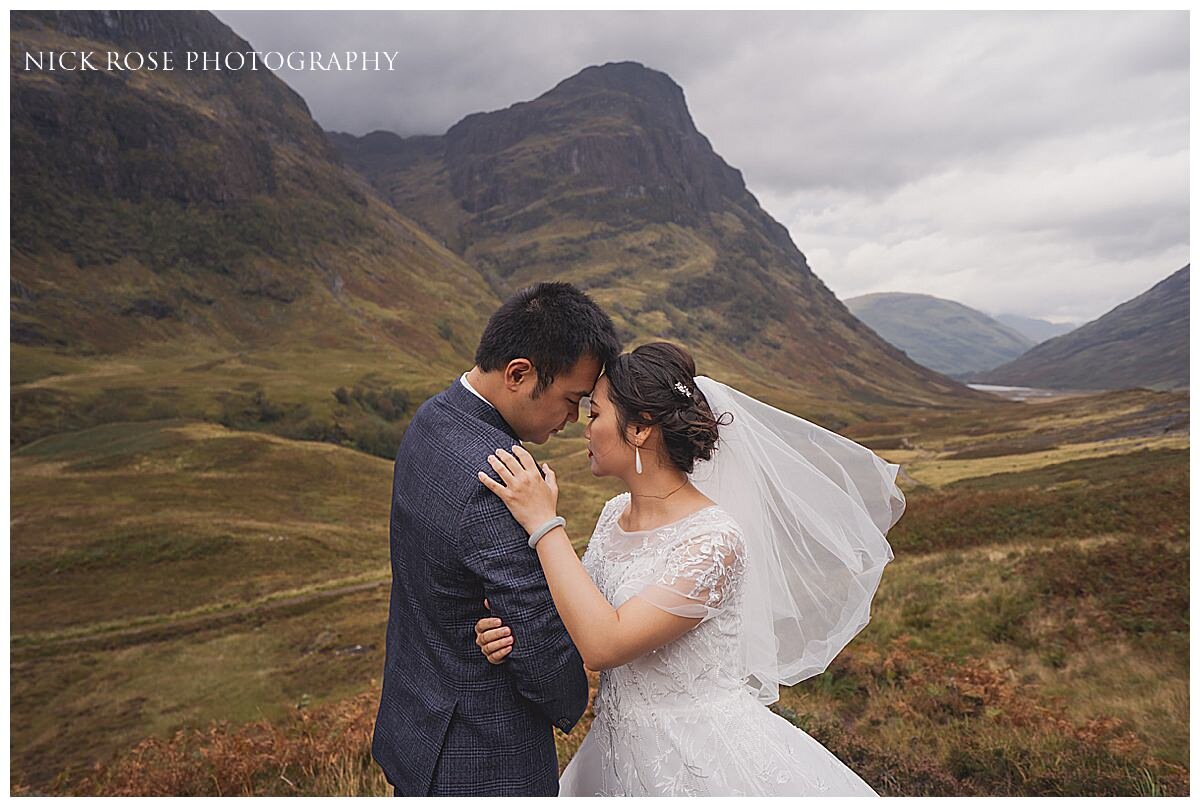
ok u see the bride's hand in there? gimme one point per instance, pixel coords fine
(531, 499)
(493, 638)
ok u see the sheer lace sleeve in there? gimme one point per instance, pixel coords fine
(699, 575)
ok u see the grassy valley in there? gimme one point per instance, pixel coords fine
(1031, 637)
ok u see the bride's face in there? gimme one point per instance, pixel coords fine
(608, 454)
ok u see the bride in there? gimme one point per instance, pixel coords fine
(744, 556)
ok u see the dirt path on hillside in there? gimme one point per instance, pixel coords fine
(40, 645)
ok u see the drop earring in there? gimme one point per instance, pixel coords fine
(637, 460)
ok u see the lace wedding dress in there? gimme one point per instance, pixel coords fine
(681, 720)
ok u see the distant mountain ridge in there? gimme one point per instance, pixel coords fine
(1038, 330)
(1142, 342)
(943, 335)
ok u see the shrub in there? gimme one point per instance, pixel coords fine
(1140, 583)
(250, 411)
(380, 439)
(389, 403)
(325, 751)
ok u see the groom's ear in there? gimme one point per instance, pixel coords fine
(517, 372)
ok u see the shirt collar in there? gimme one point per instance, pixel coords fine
(475, 392)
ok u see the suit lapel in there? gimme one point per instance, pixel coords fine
(462, 399)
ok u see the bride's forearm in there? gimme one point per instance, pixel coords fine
(588, 616)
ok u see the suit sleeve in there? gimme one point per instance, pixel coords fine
(544, 662)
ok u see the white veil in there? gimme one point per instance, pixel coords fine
(814, 509)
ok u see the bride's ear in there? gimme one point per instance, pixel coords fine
(639, 433)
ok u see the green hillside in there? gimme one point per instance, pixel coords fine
(188, 244)
(169, 573)
(1031, 633)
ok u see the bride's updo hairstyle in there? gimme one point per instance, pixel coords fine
(650, 385)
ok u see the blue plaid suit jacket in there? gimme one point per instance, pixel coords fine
(449, 722)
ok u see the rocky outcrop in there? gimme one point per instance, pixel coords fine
(640, 143)
(136, 135)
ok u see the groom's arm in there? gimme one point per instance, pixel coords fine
(547, 667)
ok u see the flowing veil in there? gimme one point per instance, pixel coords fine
(814, 508)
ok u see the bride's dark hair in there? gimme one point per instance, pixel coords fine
(653, 385)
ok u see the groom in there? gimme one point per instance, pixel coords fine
(450, 723)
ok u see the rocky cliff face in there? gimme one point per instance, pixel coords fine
(604, 180)
(131, 135)
(188, 244)
(640, 144)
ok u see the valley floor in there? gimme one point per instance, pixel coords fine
(201, 610)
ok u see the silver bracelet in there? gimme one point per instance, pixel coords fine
(557, 521)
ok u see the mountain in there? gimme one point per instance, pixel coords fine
(1141, 343)
(940, 334)
(190, 244)
(212, 198)
(1038, 330)
(605, 181)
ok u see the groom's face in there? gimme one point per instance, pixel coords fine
(536, 419)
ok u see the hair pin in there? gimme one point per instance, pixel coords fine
(682, 389)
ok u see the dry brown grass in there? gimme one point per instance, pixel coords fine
(980, 730)
(323, 751)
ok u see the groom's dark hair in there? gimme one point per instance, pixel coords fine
(551, 324)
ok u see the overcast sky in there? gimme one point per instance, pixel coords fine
(1032, 163)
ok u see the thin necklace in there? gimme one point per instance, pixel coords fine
(652, 496)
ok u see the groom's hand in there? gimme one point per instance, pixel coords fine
(493, 638)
